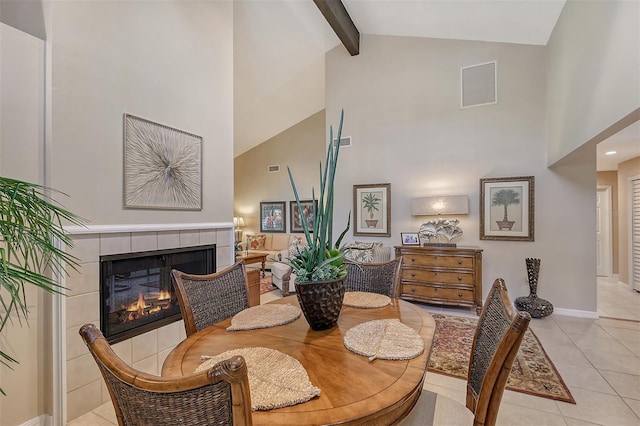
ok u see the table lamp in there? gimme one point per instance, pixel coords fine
(238, 223)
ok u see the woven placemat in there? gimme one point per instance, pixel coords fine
(384, 339)
(264, 316)
(275, 379)
(362, 299)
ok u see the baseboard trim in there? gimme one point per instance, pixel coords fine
(576, 313)
(41, 420)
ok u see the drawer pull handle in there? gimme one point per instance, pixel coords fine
(413, 274)
(459, 294)
(436, 289)
(413, 290)
(413, 259)
(459, 278)
(459, 261)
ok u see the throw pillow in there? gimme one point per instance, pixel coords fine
(361, 251)
(362, 244)
(256, 242)
(296, 245)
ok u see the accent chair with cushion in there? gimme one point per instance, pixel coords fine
(208, 299)
(381, 278)
(495, 345)
(362, 252)
(219, 395)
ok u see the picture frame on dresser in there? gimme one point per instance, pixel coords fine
(507, 208)
(273, 216)
(372, 210)
(410, 238)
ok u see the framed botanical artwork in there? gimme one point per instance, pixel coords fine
(307, 215)
(410, 238)
(372, 210)
(507, 208)
(162, 166)
(273, 216)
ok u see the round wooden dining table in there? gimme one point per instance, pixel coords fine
(354, 391)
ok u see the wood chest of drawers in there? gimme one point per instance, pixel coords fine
(449, 276)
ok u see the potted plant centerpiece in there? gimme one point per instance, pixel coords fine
(318, 265)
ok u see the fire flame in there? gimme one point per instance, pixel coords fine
(138, 306)
(141, 308)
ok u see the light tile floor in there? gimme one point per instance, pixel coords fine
(599, 361)
(617, 300)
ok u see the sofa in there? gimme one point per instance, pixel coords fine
(276, 246)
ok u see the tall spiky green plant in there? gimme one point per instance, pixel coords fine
(30, 221)
(321, 260)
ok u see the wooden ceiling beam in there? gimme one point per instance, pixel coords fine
(338, 17)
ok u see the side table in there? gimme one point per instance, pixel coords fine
(254, 257)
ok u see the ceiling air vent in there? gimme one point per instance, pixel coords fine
(273, 169)
(346, 141)
(479, 85)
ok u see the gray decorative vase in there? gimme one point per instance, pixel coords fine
(321, 302)
(537, 307)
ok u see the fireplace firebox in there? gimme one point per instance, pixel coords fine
(136, 290)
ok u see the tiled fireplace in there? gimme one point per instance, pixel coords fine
(147, 351)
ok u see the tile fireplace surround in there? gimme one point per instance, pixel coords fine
(84, 388)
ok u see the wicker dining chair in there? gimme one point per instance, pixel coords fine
(219, 395)
(208, 299)
(495, 345)
(381, 278)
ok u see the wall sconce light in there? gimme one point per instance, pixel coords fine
(238, 223)
(439, 206)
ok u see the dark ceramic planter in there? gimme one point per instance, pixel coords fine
(537, 307)
(321, 302)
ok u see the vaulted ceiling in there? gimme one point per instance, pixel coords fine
(279, 48)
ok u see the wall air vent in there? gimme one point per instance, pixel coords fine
(346, 141)
(478, 85)
(273, 169)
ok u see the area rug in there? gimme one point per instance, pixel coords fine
(265, 283)
(533, 372)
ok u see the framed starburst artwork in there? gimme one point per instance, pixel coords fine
(162, 166)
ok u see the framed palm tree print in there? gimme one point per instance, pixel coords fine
(372, 210)
(507, 208)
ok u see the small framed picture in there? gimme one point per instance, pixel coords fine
(410, 238)
(273, 216)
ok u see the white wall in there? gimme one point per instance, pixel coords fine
(401, 98)
(170, 62)
(594, 63)
(301, 147)
(167, 61)
(21, 141)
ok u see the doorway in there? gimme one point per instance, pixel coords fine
(617, 151)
